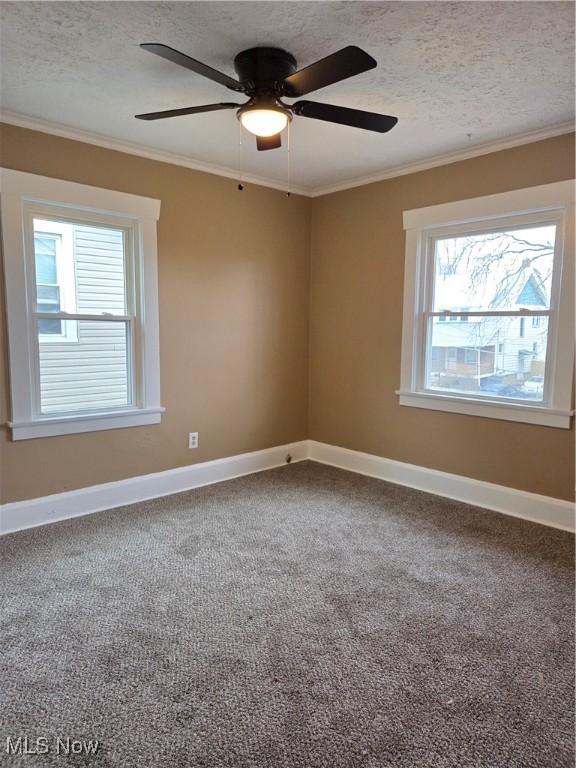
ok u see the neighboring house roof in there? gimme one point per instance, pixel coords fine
(532, 294)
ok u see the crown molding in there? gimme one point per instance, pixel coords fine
(449, 157)
(99, 140)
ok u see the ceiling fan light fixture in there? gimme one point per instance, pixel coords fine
(265, 76)
(264, 121)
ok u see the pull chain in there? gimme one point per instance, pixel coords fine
(239, 157)
(288, 159)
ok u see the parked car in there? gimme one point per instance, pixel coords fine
(533, 386)
(510, 391)
(498, 386)
(492, 383)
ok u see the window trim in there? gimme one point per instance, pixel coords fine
(550, 202)
(24, 192)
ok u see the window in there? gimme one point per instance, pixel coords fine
(48, 290)
(55, 289)
(489, 265)
(82, 306)
(522, 328)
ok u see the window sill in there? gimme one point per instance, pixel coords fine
(490, 409)
(95, 422)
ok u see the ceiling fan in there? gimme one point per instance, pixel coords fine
(266, 75)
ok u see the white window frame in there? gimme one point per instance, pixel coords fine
(534, 205)
(25, 196)
(65, 271)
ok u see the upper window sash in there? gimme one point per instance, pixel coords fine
(549, 204)
(58, 214)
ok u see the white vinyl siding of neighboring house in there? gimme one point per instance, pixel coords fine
(93, 368)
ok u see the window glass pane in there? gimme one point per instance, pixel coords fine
(45, 254)
(92, 374)
(49, 327)
(48, 300)
(488, 356)
(44, 244)
(48, 295)
(494, 270)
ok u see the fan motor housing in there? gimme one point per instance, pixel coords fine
(264, 65)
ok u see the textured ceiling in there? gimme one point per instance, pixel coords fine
(489, 69)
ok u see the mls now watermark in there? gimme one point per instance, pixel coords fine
(20, 746)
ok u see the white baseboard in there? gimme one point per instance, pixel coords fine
(509, 501)
(61, 506)
(529, 506)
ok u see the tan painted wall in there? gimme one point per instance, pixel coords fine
(234, 291)
(234, 299)
(357, 248)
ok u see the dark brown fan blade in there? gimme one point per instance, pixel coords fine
(196, 66)
(338, 66)
(186, 111)
(357, 118)
(269, 142)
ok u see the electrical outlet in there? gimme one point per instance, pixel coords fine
(193, 440)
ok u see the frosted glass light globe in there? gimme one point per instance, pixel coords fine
(264, 122)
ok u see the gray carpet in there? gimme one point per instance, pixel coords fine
(303, 617)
